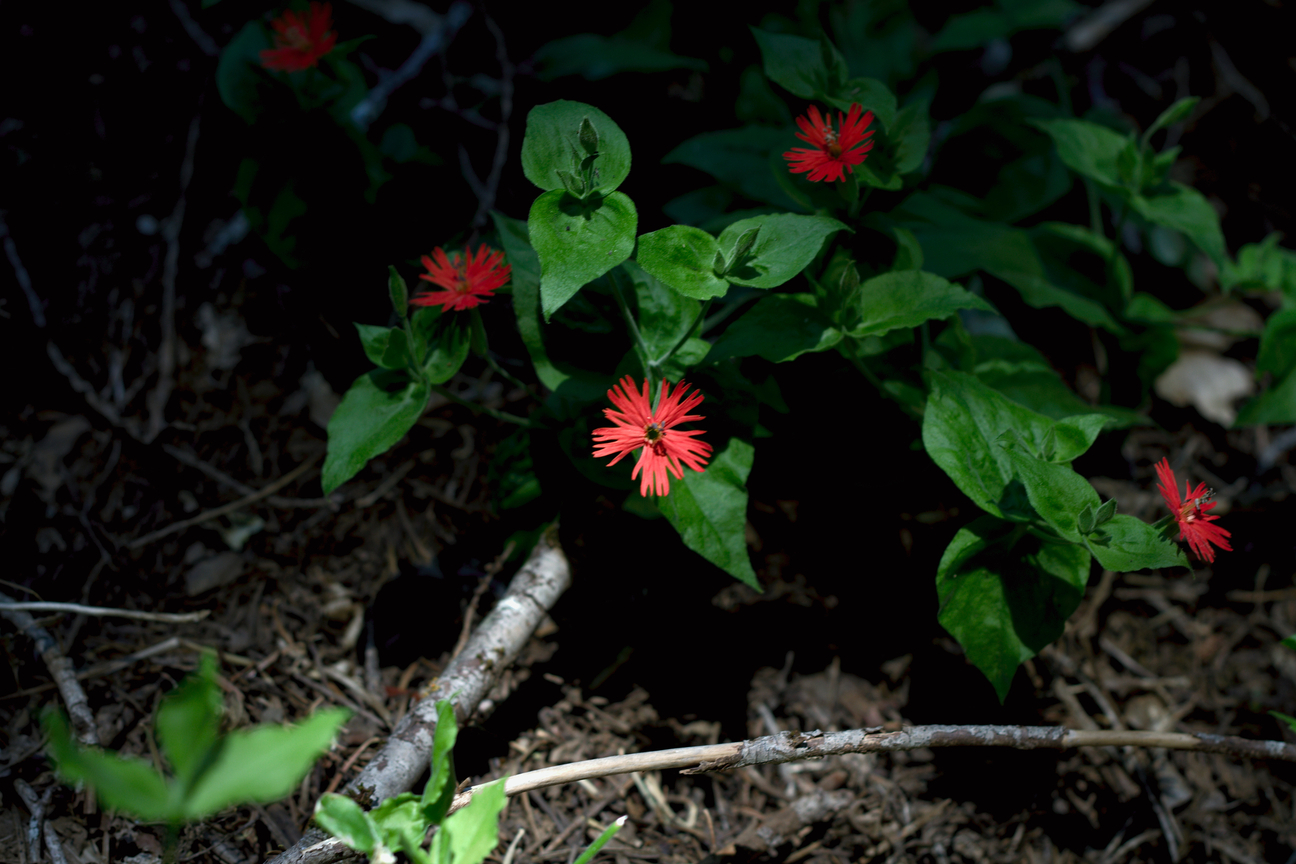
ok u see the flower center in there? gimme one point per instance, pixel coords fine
(830, 142)
(298, 38)
(653, 434)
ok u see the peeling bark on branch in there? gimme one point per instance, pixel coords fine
(469, 677)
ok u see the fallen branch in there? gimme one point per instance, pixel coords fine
(466, 681)
(104, 611)
(796, 746)
(60, 667)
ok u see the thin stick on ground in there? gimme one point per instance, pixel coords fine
(60, 667)
(797, 746)
(104, 611)
(493, 647)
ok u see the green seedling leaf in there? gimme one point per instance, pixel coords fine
(578, 241)
(1087, 148)
(709, 510)
(369, 421)
(348, 821)
(1172, 115)
(1289, 720)
(1005, 595)
(553, 144)
(783, 246)
(121, 782)
(473, 832)
(907, 298)
(188, 722)
(398, 292)
(263, 764)
(1124, 544)
(398, 817)
(439, 791)
(1186, 210)
(779, 327)
(683, 258)
(602, 840)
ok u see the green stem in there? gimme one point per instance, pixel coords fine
(508, 376)
(701, 315)
(1095, 208)
(502, 416)
(616, 277)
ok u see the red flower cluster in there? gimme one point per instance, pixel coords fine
(301, 39)
(1194, 525)
(467, 279)
(836, 151)
(639, 426)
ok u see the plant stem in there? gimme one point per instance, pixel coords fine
(701, 316)
(502, 416)
(616, 277)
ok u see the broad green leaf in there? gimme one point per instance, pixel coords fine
(709, 510)
(872, 95)
(910, 136)
(473, 832)
(1005, 595)
(665, 316)
(122, 782)
(377, 344)
(240, 80)
(1087, 148)
(740, 158)
(684, 258)
(439, 791)
(578, 241)
(397, 817)
(797, 64)
(1278, 344)
(369, 421)
(779, 327)
(552, 144)
(1275, 406)
(1026, 186)
(448, 338)
(1187, 210)
(1039, 292)
(262, 764)
(909, 252)
(906, 298)
(785, 244)
(188, 722)
(962, 427)
(1056, 492)
(347, 821)
(1125, 544)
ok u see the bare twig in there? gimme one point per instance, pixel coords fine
(466, 681)
(486, 199)
(796, 746)
(80, 385)
(1086, 33)
(482, 584)
(61, 668)
(21, 274)
(227, 508)
(436, 36)
(157, 400)
(105, 611)
(205, 43)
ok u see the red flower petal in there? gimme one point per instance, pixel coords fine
(468, 279)
(301, 39)
(638, 427)
(836, 151)
(1191, 514)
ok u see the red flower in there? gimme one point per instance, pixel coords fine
(837, 151)
(639, 426)
(301, 39)
(1194, 525)
(467, 279)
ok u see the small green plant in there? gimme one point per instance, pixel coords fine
(209, 771)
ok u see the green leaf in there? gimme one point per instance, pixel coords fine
(740, 158)
(1187, 210)
(552, 144)
(1275, 406)
(439, 792)
(347, 821)
(1056, 493)
(1087, 148)
(578, 241)
(665, 316)
(240, 80)
(797, 64)
(1005, 596)
(188, 722)
(906, 298)
(378, 345)
(122, 782)
(525, 276)
(785, 244)
(872, 95)
(263, 764)
(709, 510)
(1124, 544)
(398, 817)
(779, 327)
(448, 338)
(910, 137)
(683, 257)
(398, 291)
(909, 252)
(369, 421)
(1105, 513)
(1289, 720)
(1278, 344)
(473, 832)
(1039, 292)
(1176, 112)
(597, 57)
(962, 426)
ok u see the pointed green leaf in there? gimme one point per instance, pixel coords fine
(347, 821)
(1187, 210)
(1087, 148)
(709, 510)
(439, 791)
(1056, 492)
(684, 258)
(1124, 544)
(188, 721)
(368, 421)
(906, 298)
(473, 832)
(398, 291)
(1105, 513)
(553, 141)
(122, 782)
(578, 241)
(1176, 112)
(785, 244)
